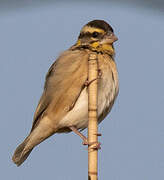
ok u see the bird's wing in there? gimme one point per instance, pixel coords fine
(64, 83)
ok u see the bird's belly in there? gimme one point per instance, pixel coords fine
(78, 116)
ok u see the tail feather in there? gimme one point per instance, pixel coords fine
(37, 135)
(21, 154)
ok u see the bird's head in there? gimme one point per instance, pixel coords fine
(97, 35)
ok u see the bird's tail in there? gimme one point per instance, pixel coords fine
(37, 135)
(21, 153)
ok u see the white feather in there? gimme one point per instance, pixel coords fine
(107, 91)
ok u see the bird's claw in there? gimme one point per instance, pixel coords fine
(99, 73)
(98, 134)
(96, 144)
(87, 83)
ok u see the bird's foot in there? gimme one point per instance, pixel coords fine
(95, 145)
(99, 73)
(98, 134)
(87, 83)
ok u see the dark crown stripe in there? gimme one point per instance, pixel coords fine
(100, 24)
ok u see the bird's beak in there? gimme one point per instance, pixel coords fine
(109, 39)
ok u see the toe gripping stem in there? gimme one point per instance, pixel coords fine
(87, 83)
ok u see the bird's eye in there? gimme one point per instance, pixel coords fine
(95, 34)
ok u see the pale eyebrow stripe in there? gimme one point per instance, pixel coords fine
(92, 29)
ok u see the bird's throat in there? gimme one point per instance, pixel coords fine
(96, 46)
(106, 48)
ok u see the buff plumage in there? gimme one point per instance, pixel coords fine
(63, 105)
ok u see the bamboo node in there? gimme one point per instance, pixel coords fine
(92, 109)
(93, 173)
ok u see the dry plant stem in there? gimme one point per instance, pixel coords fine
(92, 116)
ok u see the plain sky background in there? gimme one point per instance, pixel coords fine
(32, 35)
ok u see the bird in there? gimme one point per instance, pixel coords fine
(63, 106)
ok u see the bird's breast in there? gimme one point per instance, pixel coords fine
(107, 86)
(107, 92)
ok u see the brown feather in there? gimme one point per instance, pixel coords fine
(64, 82)
(64, 102)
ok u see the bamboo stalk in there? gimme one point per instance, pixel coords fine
(92, 117)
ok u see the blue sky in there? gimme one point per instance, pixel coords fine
(132, 135)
